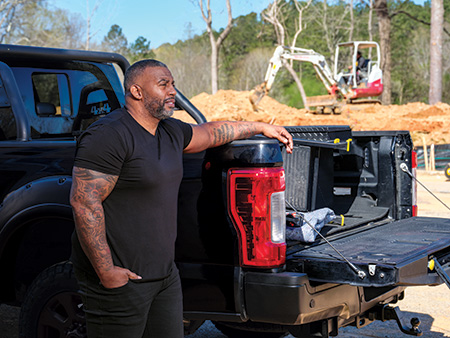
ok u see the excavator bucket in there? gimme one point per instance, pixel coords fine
(257, 94)
(321, 100)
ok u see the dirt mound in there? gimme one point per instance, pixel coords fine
(425, 122)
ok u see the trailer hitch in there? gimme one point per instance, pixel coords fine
(393, 313)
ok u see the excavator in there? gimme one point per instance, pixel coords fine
(350, 83)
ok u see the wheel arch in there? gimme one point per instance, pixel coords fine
(36, 225)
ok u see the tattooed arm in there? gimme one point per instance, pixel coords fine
(89, 189)
(213, 134)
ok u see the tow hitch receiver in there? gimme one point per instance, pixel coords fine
(393, 313)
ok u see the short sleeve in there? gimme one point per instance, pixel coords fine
(101, 148)
(186, 129)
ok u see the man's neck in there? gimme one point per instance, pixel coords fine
(144, 118)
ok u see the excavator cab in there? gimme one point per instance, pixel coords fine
(357, 68)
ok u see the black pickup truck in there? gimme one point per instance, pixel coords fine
(237, 268)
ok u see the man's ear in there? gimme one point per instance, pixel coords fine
(136, 92)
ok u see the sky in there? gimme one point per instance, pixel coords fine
(159, 21)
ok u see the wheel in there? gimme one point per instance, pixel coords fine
(250, 330)
(319, 110)
(337, 110)
(53, 306)
(327, 110)
(447, 171)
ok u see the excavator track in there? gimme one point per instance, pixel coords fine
(364, 101)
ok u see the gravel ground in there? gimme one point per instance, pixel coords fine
(430, 304)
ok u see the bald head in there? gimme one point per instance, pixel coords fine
(137, 69)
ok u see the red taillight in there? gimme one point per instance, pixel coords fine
(256, 206)
(414, 183)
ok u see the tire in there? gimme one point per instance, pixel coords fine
(53, 306)
(447, 171)
(250, 330)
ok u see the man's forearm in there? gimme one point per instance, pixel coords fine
(90, 228)
(89, 188)
(227, 131)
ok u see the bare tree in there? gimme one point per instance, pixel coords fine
(333, 24)
(274, 15)
(8, 10)
(352, 22)
(384, 27)
(369, 26)
(215, 43)
(436, 39)
(107, 12)
(90, 13)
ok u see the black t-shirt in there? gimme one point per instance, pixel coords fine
(141, 211)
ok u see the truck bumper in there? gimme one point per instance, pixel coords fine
(289, 299)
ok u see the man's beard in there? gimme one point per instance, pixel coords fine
(156, 108)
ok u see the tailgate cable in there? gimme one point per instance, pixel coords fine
(432, 264)
(361, 274)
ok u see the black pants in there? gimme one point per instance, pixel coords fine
(135, 310)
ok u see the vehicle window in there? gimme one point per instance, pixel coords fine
(8, 129)
(66, 99)
(52, 89)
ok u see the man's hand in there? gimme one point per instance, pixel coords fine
(280, 134)
(117, 277)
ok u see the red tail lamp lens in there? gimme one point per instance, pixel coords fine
(256, 206)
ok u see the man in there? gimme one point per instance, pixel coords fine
(361, 67)
(126, 176)
(361, 63)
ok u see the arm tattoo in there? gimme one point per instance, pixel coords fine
(224, 132)
(89, 189)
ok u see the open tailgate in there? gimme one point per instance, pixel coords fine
(391, 253)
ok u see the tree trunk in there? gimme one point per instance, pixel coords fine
(436, 39)
(352, 22)
(215, 44)
(384, 24)
(214, 67)
(369, 26)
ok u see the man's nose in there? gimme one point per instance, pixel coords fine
(172, 91)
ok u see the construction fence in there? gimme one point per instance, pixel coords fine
(433, 157)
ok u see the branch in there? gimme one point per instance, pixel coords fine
(271, 15)
(229, 25)
(206, 18)
(415, 19)
(300, 19)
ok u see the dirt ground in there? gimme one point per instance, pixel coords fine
(425, 122)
